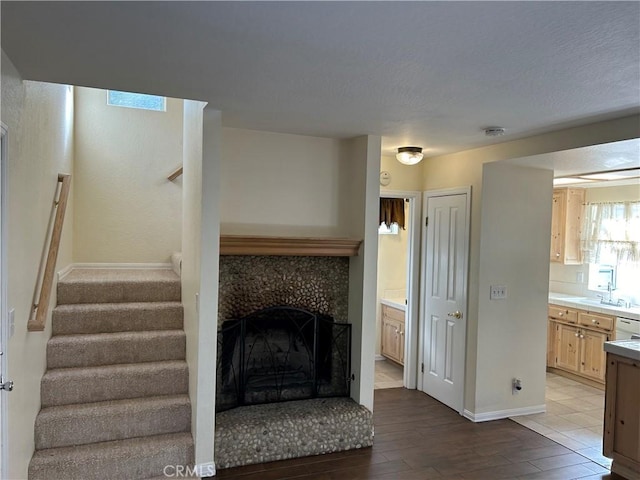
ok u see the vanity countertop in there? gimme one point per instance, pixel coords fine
(398, 303)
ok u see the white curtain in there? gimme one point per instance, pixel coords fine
(611, 232)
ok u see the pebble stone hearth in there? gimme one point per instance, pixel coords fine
(279, 431)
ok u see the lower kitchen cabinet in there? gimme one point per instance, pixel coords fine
(393, 334)
(567, 347)
(576, 342)
(592, 355)
(621, 440)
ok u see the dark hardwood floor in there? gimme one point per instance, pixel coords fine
(416, 437)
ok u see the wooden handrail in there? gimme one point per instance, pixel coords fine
(175, 174)
(38, 317)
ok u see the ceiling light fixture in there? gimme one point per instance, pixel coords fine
(409, 155)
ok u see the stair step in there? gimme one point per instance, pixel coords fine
(64, 351)
(64, 386)
(118, 286)
(116, 317)
(134, 458)
(84, 423)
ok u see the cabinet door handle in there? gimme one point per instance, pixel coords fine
(560, 314)
(577, 334)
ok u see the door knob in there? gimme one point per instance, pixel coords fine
(457, 314)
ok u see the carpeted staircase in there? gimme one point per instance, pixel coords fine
(114, 396)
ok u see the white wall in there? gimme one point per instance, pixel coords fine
(39, 118)
(191, 215)
(281, 184)
(127, 211)
(360, 177)
(514, 235)
(465, 168)
(202, 135)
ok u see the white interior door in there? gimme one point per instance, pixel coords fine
(445, 296)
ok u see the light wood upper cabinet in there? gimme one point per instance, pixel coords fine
(566, 224)
(393, 334)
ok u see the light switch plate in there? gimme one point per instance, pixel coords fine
(498, 292)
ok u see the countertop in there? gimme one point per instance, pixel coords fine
(624, 348)
(593, 305)
(394, 302)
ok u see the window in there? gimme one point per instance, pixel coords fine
(137, 100)
(612, 233)
(611, 244)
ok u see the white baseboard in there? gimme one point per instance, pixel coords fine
(129, 266)
(379, 357)
(205, 470)
(500, 414)
(64, 271)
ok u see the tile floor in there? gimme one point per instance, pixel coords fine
(574, 416)
(388, 375)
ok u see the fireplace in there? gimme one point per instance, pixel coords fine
(273, 360)
(280, 354)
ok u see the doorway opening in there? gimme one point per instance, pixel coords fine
(397, 295)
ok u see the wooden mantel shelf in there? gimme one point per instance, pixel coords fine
(294, 246)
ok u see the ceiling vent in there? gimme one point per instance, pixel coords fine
(494, 131)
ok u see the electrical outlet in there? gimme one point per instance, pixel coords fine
(498, 292)
(516, 386)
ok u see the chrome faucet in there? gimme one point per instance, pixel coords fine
(621, 302)
(609, 300)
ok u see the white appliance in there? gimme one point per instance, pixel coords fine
(626, 327)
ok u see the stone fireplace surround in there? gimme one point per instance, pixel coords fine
(276, 431)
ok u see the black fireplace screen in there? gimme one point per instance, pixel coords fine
(279, 354)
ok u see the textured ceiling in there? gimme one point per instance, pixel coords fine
(595, 158)
(432, 74)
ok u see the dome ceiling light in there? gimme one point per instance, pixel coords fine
(409, 155)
